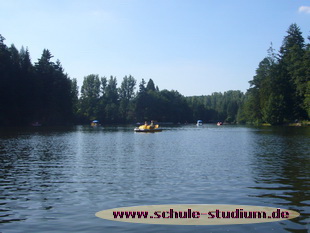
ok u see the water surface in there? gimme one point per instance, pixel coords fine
(56, 179)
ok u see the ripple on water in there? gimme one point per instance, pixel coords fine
(56, 180)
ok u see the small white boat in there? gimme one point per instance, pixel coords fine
(199, 123)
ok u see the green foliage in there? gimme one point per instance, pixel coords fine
(167, 106)
(278, 92)
(273, 111)
(142, 87)
(112, 101)
(54, 99)
(306, 87)
(90, 96)
(33, 93)
(216, 107)
(75, 98)
(126, 94)
(307, 99)
(150, 85)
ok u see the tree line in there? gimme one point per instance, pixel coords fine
(280, 91)
(43, 92)
(102, 100)
(33, 93)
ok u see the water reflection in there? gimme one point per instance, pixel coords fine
(281, 165)
(30, 171)
(60, 177)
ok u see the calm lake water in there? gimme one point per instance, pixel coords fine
(56, 179)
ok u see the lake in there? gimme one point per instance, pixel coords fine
(56, 179)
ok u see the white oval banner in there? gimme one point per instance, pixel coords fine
(191, 214)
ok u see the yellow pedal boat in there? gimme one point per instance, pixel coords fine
(148, 129)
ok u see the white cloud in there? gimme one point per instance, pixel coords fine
(305, 9)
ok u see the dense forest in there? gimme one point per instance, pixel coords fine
(42, 92)
(33, 93)
(280, 91)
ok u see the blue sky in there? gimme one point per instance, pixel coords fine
(196, 47)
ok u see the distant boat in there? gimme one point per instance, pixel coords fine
(95, 123)
(148, 128)
(199, 123)
(219, 123)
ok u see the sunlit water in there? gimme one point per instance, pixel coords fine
(55, 180)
